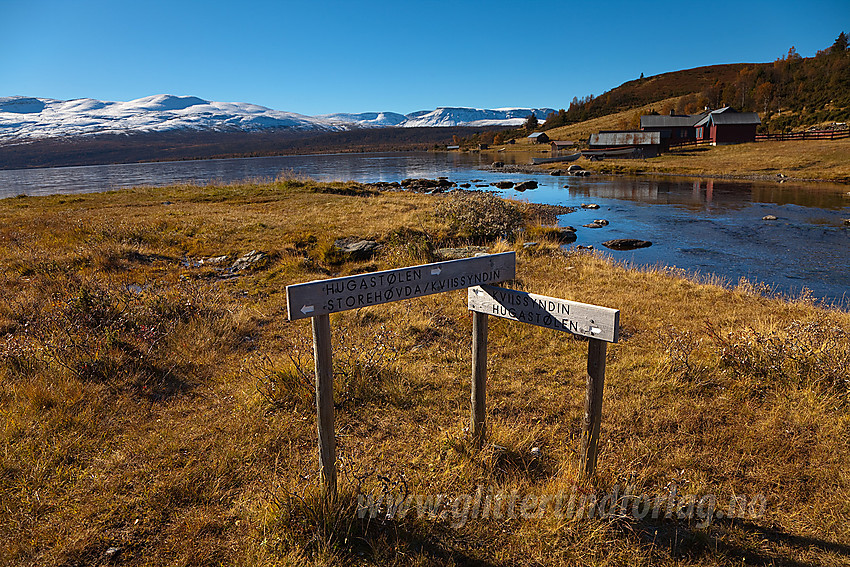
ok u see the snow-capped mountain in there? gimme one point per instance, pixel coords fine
(27, 117)
(473, 117)
(366, 119)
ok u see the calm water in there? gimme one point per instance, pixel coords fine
(710, 227)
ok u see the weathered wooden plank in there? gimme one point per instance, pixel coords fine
(596, 351)
(352, 292)
(478, 397)
(322, 355)
(592, 321)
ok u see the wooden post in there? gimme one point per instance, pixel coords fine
(323, 358)
(478, 425)
(596, 351)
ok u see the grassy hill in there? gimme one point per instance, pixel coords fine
(791, 92)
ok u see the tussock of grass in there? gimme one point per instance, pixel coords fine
(151, 404)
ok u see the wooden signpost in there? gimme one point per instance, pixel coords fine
(318, 299)
(599, 324)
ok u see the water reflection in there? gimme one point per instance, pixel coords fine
(707, 225)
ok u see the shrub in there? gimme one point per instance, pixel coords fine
(479, 216)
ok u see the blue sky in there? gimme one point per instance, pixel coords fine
(328, 56)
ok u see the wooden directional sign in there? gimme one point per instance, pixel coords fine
(323, 297)
(590, 321)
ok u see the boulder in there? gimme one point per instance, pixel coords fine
(215, 260)
(603, 222)
(465, 185)
(565, 236)
(427, 185)
(498, 164)
(589, 206)
(358, 249)
(557, 172)
(768, 217)
(249, 260)
(503, 184)
(592, 225)
(457, 253)
(574, 167)
(626, 244)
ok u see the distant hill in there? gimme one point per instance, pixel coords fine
(188, 144)
(791, 92)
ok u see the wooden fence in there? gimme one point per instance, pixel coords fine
(808, 135)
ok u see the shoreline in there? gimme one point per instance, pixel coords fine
(543, 170)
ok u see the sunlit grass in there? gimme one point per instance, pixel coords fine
(164, 407)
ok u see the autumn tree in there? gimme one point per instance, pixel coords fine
(531, 122)
(840, 45)
(763, 94)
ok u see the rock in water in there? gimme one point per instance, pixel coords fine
(589, 206)
(768, 217)
(626, 244)
(503, 184)
(526, 185)
(592, 225)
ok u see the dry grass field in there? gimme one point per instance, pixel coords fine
(157, 408)
(822, 160)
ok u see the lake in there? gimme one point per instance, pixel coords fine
(711, 227)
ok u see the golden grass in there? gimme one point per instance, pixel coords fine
(174, 421)
(826, 160)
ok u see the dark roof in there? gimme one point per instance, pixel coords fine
(664, 121)
(625, 138)
(727, 115)
(563, 143)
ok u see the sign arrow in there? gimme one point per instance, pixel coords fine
(307, 309)
(435, 271)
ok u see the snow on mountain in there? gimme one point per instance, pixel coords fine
(442, 117)
(27, 117)
(473, 117)
(367, 119)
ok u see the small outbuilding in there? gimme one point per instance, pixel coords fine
(624, 144)
(561, 145)
(726, 126)
(539, 138)
(674, 128)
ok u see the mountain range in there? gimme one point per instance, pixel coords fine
(26, 118)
